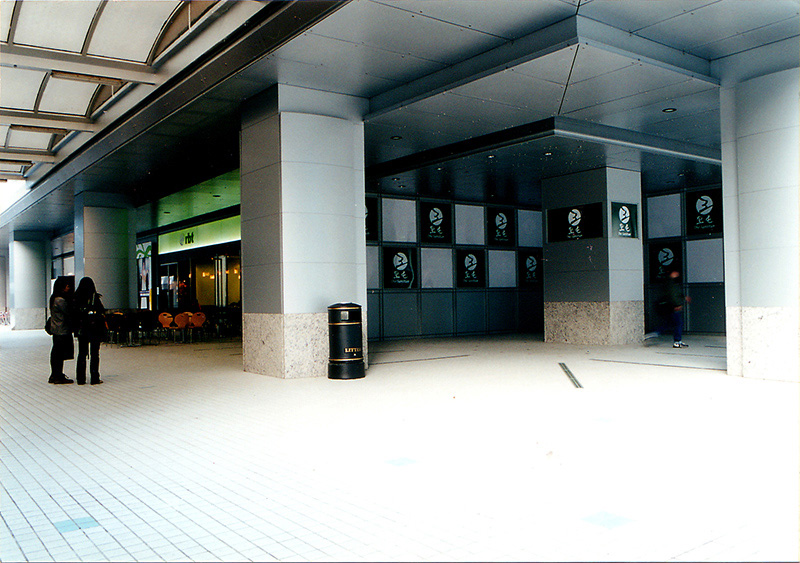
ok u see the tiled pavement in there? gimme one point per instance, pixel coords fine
(449, 450)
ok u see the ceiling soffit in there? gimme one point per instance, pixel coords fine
(572, 31)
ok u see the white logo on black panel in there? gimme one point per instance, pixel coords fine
(436, 216)
(400, 261)
(530, 265)
(625, 222)
(704, 205)
(470, 262)
(665, 257)
(501, 221)
(574, 220)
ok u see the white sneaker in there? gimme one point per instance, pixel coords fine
(680, 344)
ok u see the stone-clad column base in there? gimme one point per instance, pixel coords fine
(604, 323)
(285, 346)
(28, 319)
(763, 342)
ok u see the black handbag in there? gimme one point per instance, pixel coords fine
(47, 326)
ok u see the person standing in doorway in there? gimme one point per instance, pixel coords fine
(61, 329)
(673, 301)
(91, 331)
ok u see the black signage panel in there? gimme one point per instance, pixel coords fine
(704, 212)
(500, 226)
(530, 267)
(371, 218)
(399, 267)
(664, 258)
(435, 222)
(624, 220)
(575, 223)
(470, 267)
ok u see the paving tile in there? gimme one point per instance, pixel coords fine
(490, 456)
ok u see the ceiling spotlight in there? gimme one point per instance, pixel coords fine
(491, 156)
(669, 110)
(395, 137)
(548, 153)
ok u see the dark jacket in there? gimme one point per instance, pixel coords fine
(89, 317)
(673, 293)
(60, 314)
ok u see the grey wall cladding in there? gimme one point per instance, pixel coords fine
(436, 306)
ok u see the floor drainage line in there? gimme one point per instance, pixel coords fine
(572, 378)
(419, 360)
(684, 354)
(657, 365)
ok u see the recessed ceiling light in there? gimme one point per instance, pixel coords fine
(395, 137)
(401, 186)
(217, 195)
(167, 212)
(491, 156)
(548, 153)
(669, 110)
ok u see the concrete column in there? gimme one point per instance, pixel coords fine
(104, 247)
(760, 164)
(303, 236)
(29, 277)
(3, 283)
(594, 287)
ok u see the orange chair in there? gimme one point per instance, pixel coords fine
(196, 323)
(181, 321)
(166, 322)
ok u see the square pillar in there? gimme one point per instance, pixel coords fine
(593, 262)
(29, 279)
(760, 163)
(303, 235)
(104, 247)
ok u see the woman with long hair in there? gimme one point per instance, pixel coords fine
(61, 329)
(91, 331)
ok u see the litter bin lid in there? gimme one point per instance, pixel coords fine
(344, 306)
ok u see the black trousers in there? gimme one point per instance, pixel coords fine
(88, 347)
(62, 350)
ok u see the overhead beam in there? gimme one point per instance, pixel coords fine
(608, 135)
(565, 127)
(26, 157)
(46, 60)
(608, 38)
(508, 55)
(566, 33)
(31, 119)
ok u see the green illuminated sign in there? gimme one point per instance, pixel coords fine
(209, 234)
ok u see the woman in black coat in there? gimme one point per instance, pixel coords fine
(60, 325)
(91, 331)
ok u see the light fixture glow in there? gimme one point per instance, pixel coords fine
(669, 110)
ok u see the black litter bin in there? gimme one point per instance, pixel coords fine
(347, 354)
